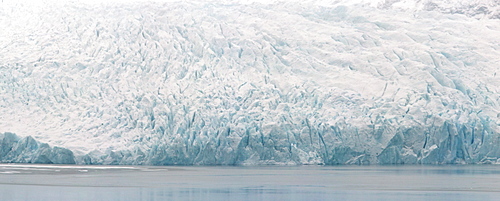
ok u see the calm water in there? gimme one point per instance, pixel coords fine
(54, 182)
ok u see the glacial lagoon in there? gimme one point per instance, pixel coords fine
(66, 182)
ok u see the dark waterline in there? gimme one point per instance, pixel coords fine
(55, 182)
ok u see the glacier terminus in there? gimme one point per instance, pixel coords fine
(250, 82)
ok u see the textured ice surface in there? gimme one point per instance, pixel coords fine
(28, 150)
(353, 82)
(472, 8)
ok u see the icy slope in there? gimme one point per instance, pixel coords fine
(251, 83)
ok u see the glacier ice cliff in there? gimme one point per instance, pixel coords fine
(249, 83)
(27, 150)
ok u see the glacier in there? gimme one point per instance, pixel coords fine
(250, 82)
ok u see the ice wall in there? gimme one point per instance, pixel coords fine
(27, 150)
(207, 83)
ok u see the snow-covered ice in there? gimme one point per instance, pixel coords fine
(252, 82)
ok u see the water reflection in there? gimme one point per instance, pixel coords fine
(249, 183)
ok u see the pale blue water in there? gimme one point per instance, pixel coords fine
(53, 182)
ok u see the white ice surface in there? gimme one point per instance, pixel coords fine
(253, 83)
